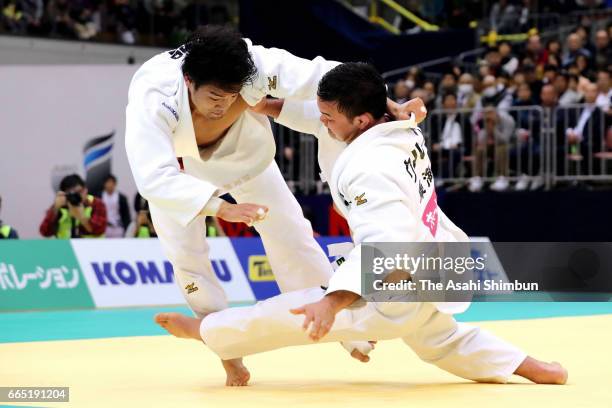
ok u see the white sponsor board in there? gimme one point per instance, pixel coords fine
(135, 272)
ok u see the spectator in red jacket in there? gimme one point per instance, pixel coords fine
(74, 213)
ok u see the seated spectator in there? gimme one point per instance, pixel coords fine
(6, 231)
(509, 63)
(574, 49)
(583, 81)
(447, 137)
(142, 226)
(124, 17)
(584, 66)
(74, 213)
(550, 73)
(33, 11)
(534, 52)
(504, 17)
(566, 85)
(62, 24)
(525, 156)
(523, 96)
(82, 14)
(603, 51)
(117, 209)
(604, 96)
(517, 80)
(401, 91)
(583, 133)
(448, 85)
(467, 98)
(428, 95)
(553, 48)
(492, 141)
(494, 93)
(13, 18)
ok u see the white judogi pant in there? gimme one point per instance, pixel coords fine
(296, 259)
(435, 337)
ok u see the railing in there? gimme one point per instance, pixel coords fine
(296, 155)
(579, 147)
(529, 149)
(375, 15)
(462, 146)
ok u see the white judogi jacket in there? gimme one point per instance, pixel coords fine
(381, 184)
(159, 129)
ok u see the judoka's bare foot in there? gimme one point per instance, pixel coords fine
(541, 372)
(180, 325)
(358, 355)
(186, 327)
(237, 373)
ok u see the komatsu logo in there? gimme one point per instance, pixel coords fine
(147, 272)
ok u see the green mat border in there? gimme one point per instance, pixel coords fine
(127, 322)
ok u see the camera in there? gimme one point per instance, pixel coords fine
(74, 198)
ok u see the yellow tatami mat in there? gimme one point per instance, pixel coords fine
(161, 371)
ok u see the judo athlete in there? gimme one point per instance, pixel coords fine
(373, 185)
(190, 139)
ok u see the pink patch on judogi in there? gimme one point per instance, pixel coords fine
(430, 215)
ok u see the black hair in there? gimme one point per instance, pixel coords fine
(218, 55)
(550, 67)
(71, 181)
(564, 74)
(448, 94)
(110, 177)
(357, 88)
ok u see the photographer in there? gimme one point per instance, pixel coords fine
(6, 231)
(142, 226)
(74, 214)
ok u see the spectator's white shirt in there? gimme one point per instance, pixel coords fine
(585, 115)
(511, 66)
(603, 100)
(451, 134)
(570, 97)
(111, 201)
(159, 128)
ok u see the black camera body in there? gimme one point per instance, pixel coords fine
(74, 199)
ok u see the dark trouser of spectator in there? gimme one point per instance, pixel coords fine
(525, 159)
(577, 159)
(444, 163)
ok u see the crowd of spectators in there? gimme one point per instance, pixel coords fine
(553, 75)
(158, 22)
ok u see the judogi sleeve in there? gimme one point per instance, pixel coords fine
(151, 118)
(300, 116)
(379, 213)
(283, 75)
